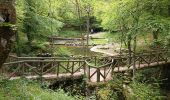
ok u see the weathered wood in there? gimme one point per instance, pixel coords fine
(98, 75)
(95, 73)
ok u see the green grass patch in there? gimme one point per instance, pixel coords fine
(98, 41)
(24, 90)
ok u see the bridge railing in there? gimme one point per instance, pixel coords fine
(12, 58)
(148, 59)
(121, 62)
(98, 73)
(38, 68)
(96, 68)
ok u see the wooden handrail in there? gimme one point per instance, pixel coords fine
(16, 62)
(71, 65)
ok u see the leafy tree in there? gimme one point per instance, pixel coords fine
(134, 17)
(37, 19)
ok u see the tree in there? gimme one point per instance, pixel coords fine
(156, 17)
(134, 17)
(37, 20)
(7, 31)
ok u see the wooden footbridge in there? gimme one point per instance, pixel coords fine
(96, 69)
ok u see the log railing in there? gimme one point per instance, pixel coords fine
(98, 73)
(96, 69)
(141, 60)
(42, 67)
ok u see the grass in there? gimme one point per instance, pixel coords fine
(26, 90)
(98, 41)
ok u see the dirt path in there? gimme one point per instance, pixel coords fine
(110, 49)
(107, 49)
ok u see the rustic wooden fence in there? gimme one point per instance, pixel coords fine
(39, 66)
(140, 60)
(120, 63)
(96, 69)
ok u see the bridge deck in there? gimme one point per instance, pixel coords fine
(52, 76)
(56, 69)
(93, 79)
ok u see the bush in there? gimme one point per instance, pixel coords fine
(24, 90)
(142, 91)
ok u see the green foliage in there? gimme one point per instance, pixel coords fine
(25, 90)
(70, 33)
(144, 91)
(36, 19)
(36, 24)
(134, 17)
(146, 85)
(106, 94)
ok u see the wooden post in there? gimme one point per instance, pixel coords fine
(118, 65)
(95, 60)
(150, 57)
(84, 67)
(79, 64)
(58, 68)
(98, 75)
(72, 72)
(88, 11)
(105, 73)
(68, 64)
(113, 66)
(41, 75)
(89, 73)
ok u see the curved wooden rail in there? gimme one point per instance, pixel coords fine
(99, 73)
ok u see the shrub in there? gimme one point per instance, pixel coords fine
(25, 90)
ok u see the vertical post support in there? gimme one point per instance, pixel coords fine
(98, 75)
(72, 69)
(58, 68)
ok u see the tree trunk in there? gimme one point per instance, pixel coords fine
(129, 50)
(155, 35)
(78, 13)
(8, 13)
(134, 55)
(88, 32)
